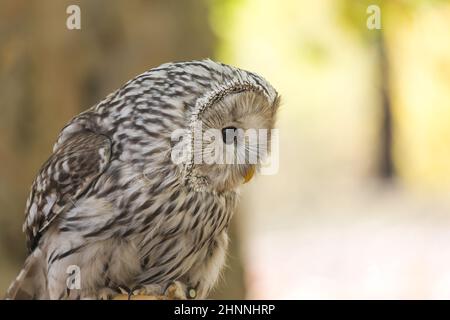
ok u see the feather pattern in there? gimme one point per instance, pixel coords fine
(111, 201)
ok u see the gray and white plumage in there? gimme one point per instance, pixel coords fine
(111, 201)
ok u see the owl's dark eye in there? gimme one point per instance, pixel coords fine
(229, 135)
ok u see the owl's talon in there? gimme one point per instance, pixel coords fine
(125, 294)
(104, 296)
(124, 291)
(178, 291)
(139, 291)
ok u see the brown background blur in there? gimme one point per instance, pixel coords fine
(360, 207)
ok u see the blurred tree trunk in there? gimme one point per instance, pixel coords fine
(355, 16)
(385, 164)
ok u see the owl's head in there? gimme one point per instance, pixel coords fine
(230, 130)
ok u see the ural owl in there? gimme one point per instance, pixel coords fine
(112, 201)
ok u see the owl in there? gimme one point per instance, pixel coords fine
(116, 210)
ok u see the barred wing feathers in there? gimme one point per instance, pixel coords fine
(67, 174)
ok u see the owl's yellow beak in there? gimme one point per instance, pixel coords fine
(249, 174)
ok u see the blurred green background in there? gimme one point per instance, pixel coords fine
(360, 207)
